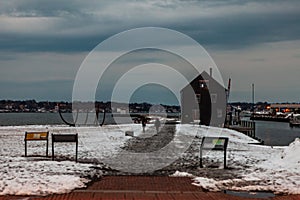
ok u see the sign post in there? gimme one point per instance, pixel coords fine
(214, 144)
(65, 138)
(36, 136)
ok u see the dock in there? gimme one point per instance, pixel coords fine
(246, 127)
(269, 118)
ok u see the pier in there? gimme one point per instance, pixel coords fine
(247, 127)
(269, 117)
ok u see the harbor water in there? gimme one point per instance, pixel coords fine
(276, 133)
(18, 119)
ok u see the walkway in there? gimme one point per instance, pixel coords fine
(143, 187)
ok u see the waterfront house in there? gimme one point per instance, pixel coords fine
(203, 101)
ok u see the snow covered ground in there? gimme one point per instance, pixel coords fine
(37, 175)
(260, 168)
(251, 167)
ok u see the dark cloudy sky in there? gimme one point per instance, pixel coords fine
(42, 43)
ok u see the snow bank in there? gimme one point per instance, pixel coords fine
(290, 157)
(277, 170)
(281, 173)
(22, 177)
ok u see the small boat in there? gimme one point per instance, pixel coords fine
(246, 113)
(295, 120)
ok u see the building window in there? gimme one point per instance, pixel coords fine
(213, 98)
(203, 83)
(198, 96)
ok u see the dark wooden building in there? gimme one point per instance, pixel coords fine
(203, 101)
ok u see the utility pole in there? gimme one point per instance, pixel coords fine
(253, 99)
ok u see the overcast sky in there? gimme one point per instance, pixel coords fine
(43, 43)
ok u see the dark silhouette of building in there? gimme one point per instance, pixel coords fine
(204, 99)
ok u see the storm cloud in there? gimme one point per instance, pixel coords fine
(36, 25)
(47, 40)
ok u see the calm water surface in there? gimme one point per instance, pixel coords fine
(276, 133)
(17, 119)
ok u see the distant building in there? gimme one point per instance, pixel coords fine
(285, 107)
(203, 101)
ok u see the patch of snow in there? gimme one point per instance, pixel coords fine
(274, 169)
(206, 183)
(182, 174)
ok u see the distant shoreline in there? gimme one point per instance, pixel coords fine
(32, 106)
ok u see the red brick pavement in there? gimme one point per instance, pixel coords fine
(144, 188)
